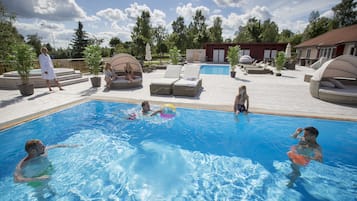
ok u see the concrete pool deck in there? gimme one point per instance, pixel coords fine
(285, 95)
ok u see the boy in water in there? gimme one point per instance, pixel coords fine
(307, 149)
(36, 164)
(146, 111)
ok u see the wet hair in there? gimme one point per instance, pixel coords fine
(31, 144)
(312, 131)
(144, 103)
(107, 65)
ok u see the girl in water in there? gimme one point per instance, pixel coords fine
(241, 102)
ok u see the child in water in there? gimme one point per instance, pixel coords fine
(145, 110)
(241, 99)
(307, 149)
(34, 167)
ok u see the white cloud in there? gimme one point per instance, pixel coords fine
(261, 13)
(47, 9)
(54, 33)
(158, 18)
(230, 3)
(112, 14)
(187, 11)
(328, 14)
(135, 10)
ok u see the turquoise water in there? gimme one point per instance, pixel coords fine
(215, 69)
(198, 155)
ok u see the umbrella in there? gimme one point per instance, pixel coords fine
(288, 51)
(148, 52)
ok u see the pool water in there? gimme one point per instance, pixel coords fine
(215, 69)
(198, 155)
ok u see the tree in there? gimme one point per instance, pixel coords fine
(345, 13)
(215, 32)
(314, 15)
(93, 58)
(233, 56)
(270, 32)
(79, 41)
(114, 42)
(35, 41)
(174, 55)
(8, 33)
(95, 41)
(285, 36)
(159, 37)
(255, 30)
(243, 35)
(179, 37)
(141, 34)
(197, 30)
(317, 27)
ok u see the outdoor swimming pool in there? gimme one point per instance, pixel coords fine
(198, 155)
(215, 69)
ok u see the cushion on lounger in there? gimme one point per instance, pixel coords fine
(327, 84)
(337, 83)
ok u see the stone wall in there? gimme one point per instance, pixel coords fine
(195, 55)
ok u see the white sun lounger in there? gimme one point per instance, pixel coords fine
(163, 86)
(190, 84)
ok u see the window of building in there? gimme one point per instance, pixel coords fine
(244, 52)
(267, 54)
(353, 51)
(308, 52)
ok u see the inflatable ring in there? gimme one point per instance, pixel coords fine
(168, 111)
(298, 159)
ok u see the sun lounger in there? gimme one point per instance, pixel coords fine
(190, 84)
(163, 86)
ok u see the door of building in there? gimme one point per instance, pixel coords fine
(218, 56)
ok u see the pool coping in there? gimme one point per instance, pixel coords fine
(229, 108)
(225, 108)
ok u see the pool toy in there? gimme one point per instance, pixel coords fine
(168, 111)
(298, 158)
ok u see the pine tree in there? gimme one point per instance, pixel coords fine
(79, 41)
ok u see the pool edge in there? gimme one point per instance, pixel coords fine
(226, 108)
(30, 117)
(229, 108)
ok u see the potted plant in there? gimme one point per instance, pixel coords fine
(174, 55)
(233, 58)
(22, 57)
(93, 58)
(279, 62)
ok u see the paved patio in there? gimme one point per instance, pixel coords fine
(287, 95)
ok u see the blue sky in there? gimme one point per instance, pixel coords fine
(55, 20)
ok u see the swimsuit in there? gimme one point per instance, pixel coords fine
(241, 108)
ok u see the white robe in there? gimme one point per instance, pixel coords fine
(46, 66)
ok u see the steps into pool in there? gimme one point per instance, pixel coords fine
(65, 76)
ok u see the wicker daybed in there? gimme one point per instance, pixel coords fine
(118, 63)
(336, 80)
